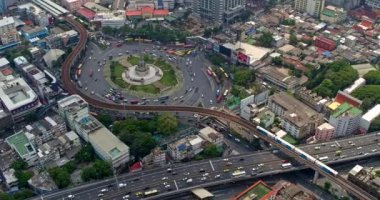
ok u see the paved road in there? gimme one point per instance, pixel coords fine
(196, 89)
(271, 164)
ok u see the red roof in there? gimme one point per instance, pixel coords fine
(133, 13)
(267, 196)
(87, 13)
(147, 9)
(161, 12)
(137, 166)
(6, 71)
(343, 97)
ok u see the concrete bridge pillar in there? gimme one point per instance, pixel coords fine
(316, 175)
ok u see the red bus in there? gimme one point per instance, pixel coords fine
(209, 72)
(219, 98)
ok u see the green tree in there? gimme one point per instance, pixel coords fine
(372, 77)
(23, 177)
(289, 22)
(244, 77)
(293, 39)
(277, 60)
(167, 124)
(88, 174)
(22, 194)
(211, 151)
(266, 39)
(19, 164)
(4, 196)
(142, 145)
(70, 167)
(105, 119)
(60, 176)
(370, 94)
(375, 126)
(327, 186)
(326, 88)
(99, 170)
(86, 154)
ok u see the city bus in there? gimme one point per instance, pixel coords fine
(225, 93)
(150, 192)
(226, 75)
(323, 158)
(221, 69)
(238, 173)
(80, 66)
(286, 165)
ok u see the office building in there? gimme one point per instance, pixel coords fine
(333, 15)
(345, 119)
(373, 3)
(4, 4)
(106, 145)
(22, 143)
(299, 124)
(218, 11)
(324, 132)
(369, 116)
(346, 4)
(312, 7)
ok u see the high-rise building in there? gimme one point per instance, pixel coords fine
(312, 7)
(8, 32)
(219, 11)
(345, 119)
(373, 3)
(4, 4)
(346, 4)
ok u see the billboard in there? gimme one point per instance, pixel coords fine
(225, 51)
(242, 58)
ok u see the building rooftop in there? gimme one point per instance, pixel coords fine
(6, 21)
(20, 143)
(280, 74)
(95, 7)
(42, 181)
(254, 52)
(290, 103)
(16, 93)
(72, 135)
(108, 142)
(72, 102)
(346, 109)
(257, 191)
(3, 62)
(372, 113)
(325, 126)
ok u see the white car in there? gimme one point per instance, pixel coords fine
(121, 185)
(165, 178)
(125, 197)
(104, 190)
(71, 196)
(203, 178)
(100, 194)
(217, 176)
(189, 180)
(167, 186)
(205, 174)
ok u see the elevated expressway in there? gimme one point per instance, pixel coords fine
(70, 87)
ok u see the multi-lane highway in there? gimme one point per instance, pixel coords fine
(71, 88)
(265, 163)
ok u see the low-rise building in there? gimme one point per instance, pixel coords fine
(366, 179)
(185, 148)
(22, 143)
(30, 33)
(248, 105)
(324, 132)
(73, 5)
(18, 98)
(106, 145)
(333, 15)
(157, 158)
(265, 119)
(279, 77)
(10, 179)
(369, 116)
(345, 119)
(114, 19)
(325, 43)
(31, 11)
(42, 183)
(211, 135)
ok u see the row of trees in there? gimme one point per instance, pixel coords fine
(148, 31)
(329, 78)
(99, 170)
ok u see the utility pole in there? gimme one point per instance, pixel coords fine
(115, 175)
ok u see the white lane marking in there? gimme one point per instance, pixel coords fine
(212, 166)
(175, 183)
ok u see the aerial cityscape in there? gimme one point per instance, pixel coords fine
(189, 99)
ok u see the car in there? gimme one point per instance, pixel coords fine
(226, 159)
(211, 101)
(285, 161)
(359, 148)
(260, 165)
(138, 194)
(253, 169)
(202, 95)
(239, 168)
(374, 150)
(189, 180)
(205, 174)
(202, 170)
(167, 186)
(190, 89)
(164, 183)
(86, 88)
(71, 196)
(184, 178)
(181, 97)
(192, 80)
(104, 190)
(226, 170)
(100, 194)
(121, 185)
(165, 178)
(241, 159)
(203, 178)
(237, 139)
(217, 176)
(174, 173)
(175, 98)
(317, 148)
(92, 92)
(136, 179)
(169, 170)
(275, 151)
(186, 173)
(125, 197)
